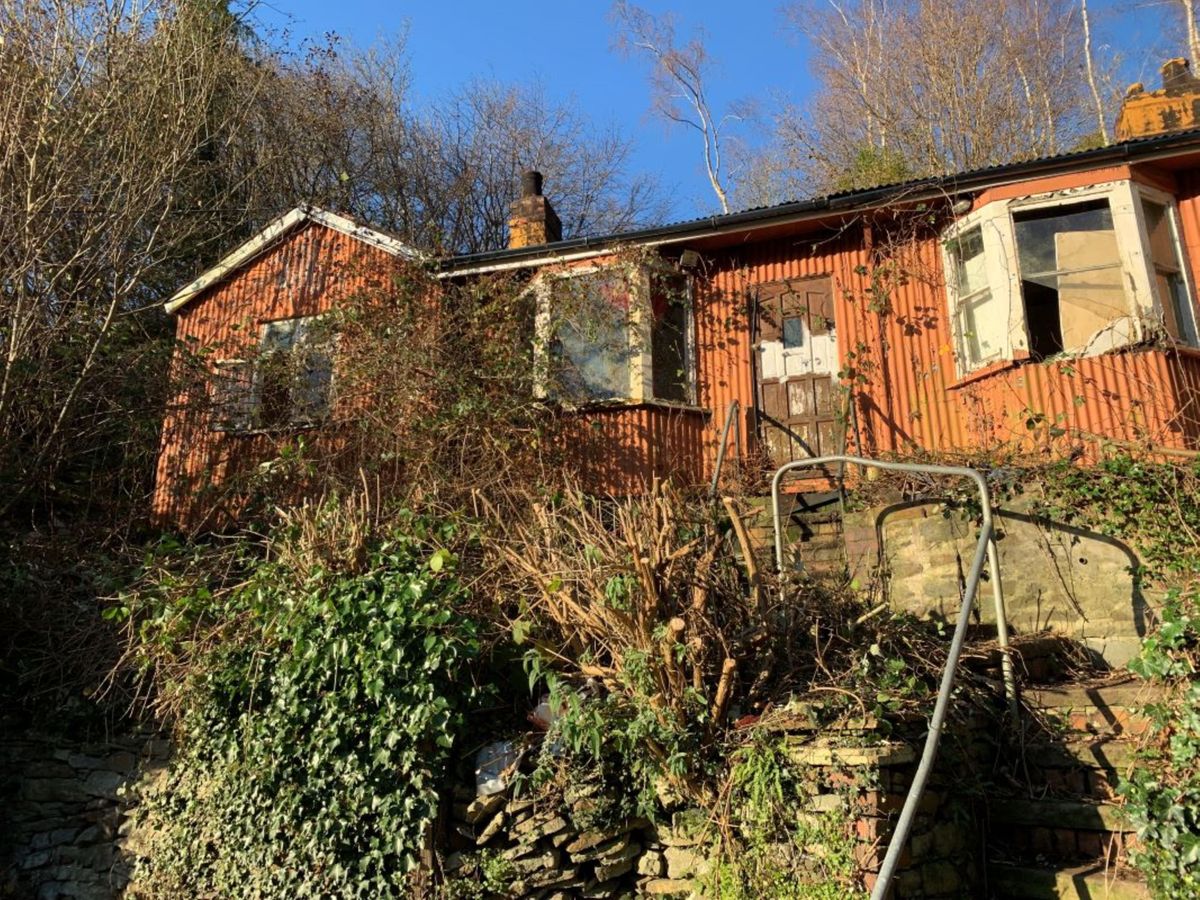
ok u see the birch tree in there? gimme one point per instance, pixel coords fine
(936, 86)
(677, 83)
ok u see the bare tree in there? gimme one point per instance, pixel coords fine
(925, 86)
(114, 179)
(1101, 117)
(442, 174)
(676, 82)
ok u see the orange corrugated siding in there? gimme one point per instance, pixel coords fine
(620, 450)
(305, 274)
(909, 398)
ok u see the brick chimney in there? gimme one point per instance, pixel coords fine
(1174, 107)
(532, 220)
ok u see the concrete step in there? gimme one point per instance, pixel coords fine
(1090, 767)
(1129, 693)
(1060, 830)
(1089, 882)
(1080, 815)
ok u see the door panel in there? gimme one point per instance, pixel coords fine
(797, 359)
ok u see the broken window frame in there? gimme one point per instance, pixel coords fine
(998, 228)
(1180, 312)
(639, 338)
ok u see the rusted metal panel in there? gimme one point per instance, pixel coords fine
(620, 450)
(895, 349)
(1070, 406)
(306, 274)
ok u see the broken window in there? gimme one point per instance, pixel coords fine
(1169, 281)
(608, 340)
(233, 407)
(591, 349)
(1081, 271)
(288, 384)
(670, 339)
(982, 318)
(1072, 282)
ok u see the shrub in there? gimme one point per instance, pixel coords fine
(1162, 795)
(315, 710)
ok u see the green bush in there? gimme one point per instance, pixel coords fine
(316, 710)
(1162, 794)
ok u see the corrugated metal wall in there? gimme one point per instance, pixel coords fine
(620, 450)
(305, 274)
(893, 331)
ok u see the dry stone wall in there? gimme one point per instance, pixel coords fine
(1055, 577)
(64, 812)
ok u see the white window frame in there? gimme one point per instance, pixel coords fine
(1162, 198)
(998, 228)
(640, 335)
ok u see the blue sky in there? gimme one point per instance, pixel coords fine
(567, 46)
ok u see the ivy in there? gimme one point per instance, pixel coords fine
(1162, 793)
(314, 732)
(1154, 505)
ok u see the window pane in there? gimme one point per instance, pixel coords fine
(1168, 273)
(970, 270)
(293, 374)
(311, 385)
(233, 397)
(793, 332)
(591, 314)
(669, 340)
(279, 335)
(1072, 282)
(1049, 240)
(1158, 228)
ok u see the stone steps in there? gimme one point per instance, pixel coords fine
(1089, 767)
(1098, 709)
(1070, 839)
(813, 537)
(1089, 882)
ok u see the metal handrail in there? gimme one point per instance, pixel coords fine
(732, 416)
(985, 548)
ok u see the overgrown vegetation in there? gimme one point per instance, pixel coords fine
(316, 695)
(1162, 793)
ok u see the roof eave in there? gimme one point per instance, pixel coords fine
(274, 232)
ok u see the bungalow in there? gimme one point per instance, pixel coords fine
(1047, 305)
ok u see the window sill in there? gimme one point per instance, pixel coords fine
(995, 368)
(629, 403)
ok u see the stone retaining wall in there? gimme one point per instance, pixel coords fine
(64, 812)
(1055, 577)
(552, 850)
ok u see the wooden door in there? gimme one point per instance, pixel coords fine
(797, 359)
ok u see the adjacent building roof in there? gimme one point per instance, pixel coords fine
(271, 235)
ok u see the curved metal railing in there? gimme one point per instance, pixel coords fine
(985, 548)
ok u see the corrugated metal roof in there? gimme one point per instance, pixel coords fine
(873, 196)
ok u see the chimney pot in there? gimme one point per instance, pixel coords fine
(1175, 107)
(1176, 73)
(531, 183)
